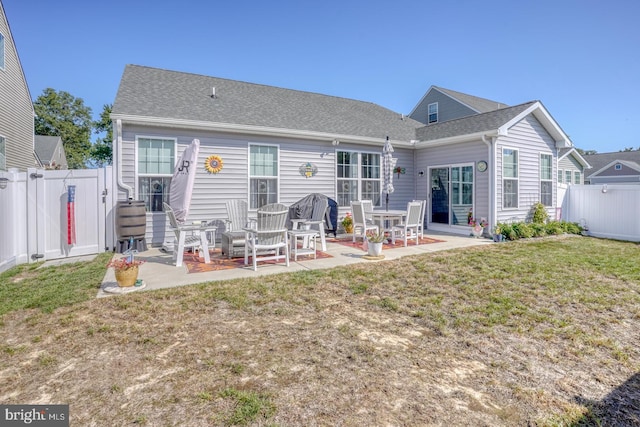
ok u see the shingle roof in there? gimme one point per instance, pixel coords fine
(153, 92)
(600, 160)
(470, 125)
(482, 105)
(45, 147)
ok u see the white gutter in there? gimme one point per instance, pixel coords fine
(457, 139)
(254, 130)
(118, 151)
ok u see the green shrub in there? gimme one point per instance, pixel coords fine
(554, 228)
(523, 230)
(507, 231)
(571, 227)
(539, 214)
(538, 230)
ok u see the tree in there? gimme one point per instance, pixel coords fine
(585, 152)
(102, 150)
(61, 114)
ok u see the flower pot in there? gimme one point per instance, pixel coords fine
(348, 229)
(477, 231)
(374, 248)
(497, 237)
(127, 277)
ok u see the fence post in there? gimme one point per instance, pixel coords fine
(35, 215)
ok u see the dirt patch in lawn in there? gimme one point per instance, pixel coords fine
(424, 340)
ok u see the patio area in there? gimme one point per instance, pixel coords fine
(159, 272)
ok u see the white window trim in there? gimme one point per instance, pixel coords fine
(560, 176)
(429, 114)
(249, 176)
(579, 177)
(359, 180)
(5, 154)
(136, 157)
(617, 166)
(542, 153)
(517, 178)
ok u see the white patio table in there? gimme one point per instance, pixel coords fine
(386, 219)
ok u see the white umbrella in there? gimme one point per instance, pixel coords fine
(182, 182)
(388, 162)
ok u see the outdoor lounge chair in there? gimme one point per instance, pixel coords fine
(232, 240)
(316, 222)
(409, 229)
(422, 214)
(360, 222)
(268, 235)
(186, 237)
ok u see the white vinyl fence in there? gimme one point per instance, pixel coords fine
(610, 211)
(33, 214)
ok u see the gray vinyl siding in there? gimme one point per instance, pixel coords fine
(16, 109)
(211, 191)
(463, 153)
(530, 139)
(448, 108)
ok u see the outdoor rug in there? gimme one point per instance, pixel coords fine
(347, 241)
(219, 262)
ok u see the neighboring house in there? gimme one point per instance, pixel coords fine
(50, 152)
(622, 167)
(572, 166)
(476, 154)
(16, 109)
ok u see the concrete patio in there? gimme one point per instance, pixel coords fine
(158, 271)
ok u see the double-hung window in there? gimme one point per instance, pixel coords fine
(156, 160)
(576, 177)
(546, 183)
(567, 176)
(358, 177)
(263, 175)
(509, 178)
(560, 176)
(432, 113)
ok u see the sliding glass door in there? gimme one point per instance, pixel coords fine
(451, 194)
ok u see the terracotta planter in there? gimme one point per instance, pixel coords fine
(127, 278)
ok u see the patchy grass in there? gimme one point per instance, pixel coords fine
(539, 332)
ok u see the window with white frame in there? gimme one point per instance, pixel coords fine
(156, 161)
(1, 51)
(577, 177)
(263, 175)
(546, 176)
(618, 167)
(3, 154)
(567, 177)
(560, 175)
(509, 178)
(358, 177)
(432, 111)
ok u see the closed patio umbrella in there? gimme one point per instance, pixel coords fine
(388, 162)
(182, 182)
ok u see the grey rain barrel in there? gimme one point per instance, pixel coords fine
(131, 219)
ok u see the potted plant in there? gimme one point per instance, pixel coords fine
(497, 233)
(347, 223)
(374, 243)
(126, 270)
(477, 227)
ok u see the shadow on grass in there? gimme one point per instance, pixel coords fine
(621, 407)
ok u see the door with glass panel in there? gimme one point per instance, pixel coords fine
(451, 194)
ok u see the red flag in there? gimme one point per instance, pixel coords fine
(71, 215)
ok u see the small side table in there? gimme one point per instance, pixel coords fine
(308, 246)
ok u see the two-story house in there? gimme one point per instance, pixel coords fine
(16, 108)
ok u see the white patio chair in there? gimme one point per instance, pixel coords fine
(368, 207)
(316, 222)
(360, 222)
(409, 229)
(232, 240)
(268, 236)
(187, 238)
(422, 214)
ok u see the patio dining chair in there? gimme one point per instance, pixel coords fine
(360, 221)
(409, 229)
(232, 240)
(368, 207)
(316, 222)
(422, 214)
(268, 235)
(188, 236)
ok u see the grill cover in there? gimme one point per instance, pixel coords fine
(303, 208)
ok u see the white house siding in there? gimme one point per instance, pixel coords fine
(462, 153)
(211, 191)
(530, 139)
(16, 109)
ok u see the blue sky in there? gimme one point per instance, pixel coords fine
(580, 58)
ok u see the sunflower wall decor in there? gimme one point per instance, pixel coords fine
(213, 164)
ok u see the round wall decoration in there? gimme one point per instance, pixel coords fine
(213, 164)
(308, 170)
(481, 166)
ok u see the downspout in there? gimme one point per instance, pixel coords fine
(118, 145)
(491, 146)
